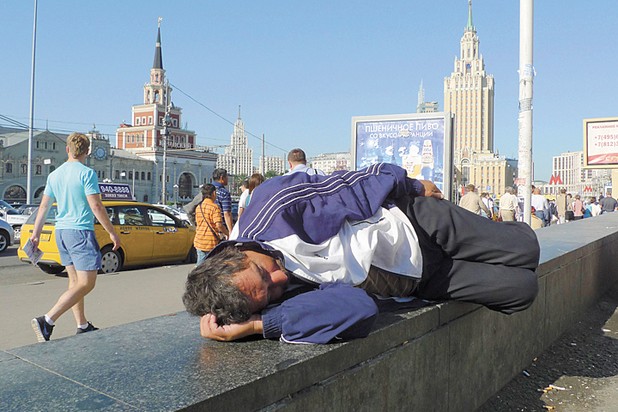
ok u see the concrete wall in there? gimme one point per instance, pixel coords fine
(446, 357)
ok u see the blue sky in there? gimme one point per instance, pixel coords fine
(301, 70)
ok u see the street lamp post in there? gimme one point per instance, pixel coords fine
(31, 125)
(166, 123)
(175, 195)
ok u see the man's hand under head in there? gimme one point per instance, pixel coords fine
(225, 333)
(431, 190)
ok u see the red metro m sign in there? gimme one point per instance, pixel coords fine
(555, 180)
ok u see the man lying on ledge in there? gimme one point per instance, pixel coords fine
(310, 250)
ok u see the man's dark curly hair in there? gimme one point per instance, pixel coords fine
(210, 288)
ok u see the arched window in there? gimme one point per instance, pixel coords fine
(38, 170)
(149, 176)
(144, 176)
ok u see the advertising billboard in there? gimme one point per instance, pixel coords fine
(115, 191)
(601, 143)
(419, 142)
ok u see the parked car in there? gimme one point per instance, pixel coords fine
(148, 235)
(7, 237)
(27, 209)
(179, 213)
(5, 205)
(14, 218)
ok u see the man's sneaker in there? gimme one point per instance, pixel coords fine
(89, 328)
(42, 329)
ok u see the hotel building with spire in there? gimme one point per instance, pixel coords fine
(237, 158)
(469, 96)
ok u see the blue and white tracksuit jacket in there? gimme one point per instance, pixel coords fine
(293, 215)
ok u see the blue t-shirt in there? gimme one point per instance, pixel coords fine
(69, 185)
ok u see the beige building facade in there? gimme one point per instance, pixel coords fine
(469, 96)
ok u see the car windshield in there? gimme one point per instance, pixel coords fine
(51, 216)
(5, 205)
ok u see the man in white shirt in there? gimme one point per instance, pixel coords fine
(297, 160)
(540, 205)
(508, 205)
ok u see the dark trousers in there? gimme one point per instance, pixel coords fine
(470, 258)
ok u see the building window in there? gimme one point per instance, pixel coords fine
(137, 121)
(131, 175)
(37, 145)
(54, 145)
(45, 145)
(143, 176)
(38, 170)
(174, 122)
(149, 119)
(143, 119)
(116, 174)
(149, 176)
(24, 169)
(8, 168)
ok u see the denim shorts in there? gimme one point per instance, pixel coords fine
(78, 248)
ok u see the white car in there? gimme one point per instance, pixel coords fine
(180, 214)
(7, 237)
(13, 218)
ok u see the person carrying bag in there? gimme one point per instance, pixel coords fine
(209, 229)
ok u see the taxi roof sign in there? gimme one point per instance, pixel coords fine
(115, 191)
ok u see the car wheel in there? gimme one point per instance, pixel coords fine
(52, 270)
(4, 241)
(111, 260)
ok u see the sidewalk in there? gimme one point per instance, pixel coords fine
(117, 299)
(579, 372)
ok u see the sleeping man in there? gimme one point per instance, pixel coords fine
(311, 253)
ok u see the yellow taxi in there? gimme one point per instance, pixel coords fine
(148, 235)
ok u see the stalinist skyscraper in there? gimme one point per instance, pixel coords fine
(469, 95)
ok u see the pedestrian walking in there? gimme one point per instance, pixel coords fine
(472, 201)
(209, 228)
(75, 189)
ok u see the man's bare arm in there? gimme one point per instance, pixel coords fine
(101, 214)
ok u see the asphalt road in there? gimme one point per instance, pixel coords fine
(118, 298)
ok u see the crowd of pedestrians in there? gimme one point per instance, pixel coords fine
(545, 211)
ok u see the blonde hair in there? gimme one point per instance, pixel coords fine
(78, 144)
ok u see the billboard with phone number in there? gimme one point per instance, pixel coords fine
(601, 143)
